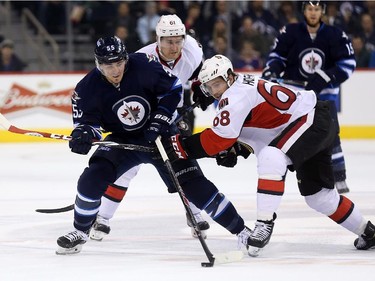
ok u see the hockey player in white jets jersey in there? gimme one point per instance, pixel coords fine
(181, 55)
(286, 129)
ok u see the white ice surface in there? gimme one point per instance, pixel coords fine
(150, 239)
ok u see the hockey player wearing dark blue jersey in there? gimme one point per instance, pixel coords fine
(133, 99)
(321, 57)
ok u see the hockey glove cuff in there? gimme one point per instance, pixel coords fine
(159, 126)
(318, 81)
(82, 138)
(174, 148)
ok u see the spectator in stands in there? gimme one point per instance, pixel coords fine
(368, 32)
(332, 16)
(264, 21)
(9, 61)
(287, 13)
(218, 18)
(369, 7)
(247, 32)
(100, 17)
(349, 18)
(219, 30)
(146, 23)
(249, 58)
(124, 16)
(131, 40)
(219, 46)
(52, 16)
(362, 55)
(194, 20)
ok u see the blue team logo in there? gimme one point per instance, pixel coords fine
(132, 111)
(310, 60)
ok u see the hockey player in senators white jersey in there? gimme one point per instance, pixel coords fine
(323, 57)
(286, 129)
(181, 55)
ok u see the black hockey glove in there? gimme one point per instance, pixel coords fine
(318, 81)
(159, 126)
(228, 158)
(82, 138)
(270, 74)
(184, 125)
(201, 98)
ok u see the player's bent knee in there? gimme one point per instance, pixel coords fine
(272, 162)
(325, 201)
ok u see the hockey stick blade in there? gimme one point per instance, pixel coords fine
(57, 210)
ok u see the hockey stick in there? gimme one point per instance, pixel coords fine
(217, 259)
(13, 129)
(186, 110)
(57, 210)
(7, 125)
(184, 200)
(297, 83)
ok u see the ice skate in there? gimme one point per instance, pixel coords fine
(203, 225)
(367, 239)
(341, 187)
(243, 237)
(260, 236)
(71, 243)
(99, 229)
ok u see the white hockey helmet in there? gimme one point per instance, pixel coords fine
(214, 67)
(170, 25)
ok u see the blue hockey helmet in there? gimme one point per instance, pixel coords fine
(109, 50)
(314, 3)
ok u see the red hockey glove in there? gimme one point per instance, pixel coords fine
(174, 148)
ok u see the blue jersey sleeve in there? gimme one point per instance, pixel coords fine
(84, 110)
(342, 54)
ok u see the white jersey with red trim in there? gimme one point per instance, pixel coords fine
(255, 111)
(183, 67)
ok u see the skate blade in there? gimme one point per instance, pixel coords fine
(228, 257)
(253, 251)
(70, 251)
(97, 235)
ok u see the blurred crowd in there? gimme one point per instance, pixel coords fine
(242, 30)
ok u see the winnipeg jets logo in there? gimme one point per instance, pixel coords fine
(310, 60)
(132, 111)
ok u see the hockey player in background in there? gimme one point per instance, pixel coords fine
(323, 57)
(133, 99)
(181, 55)
(286, 129)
